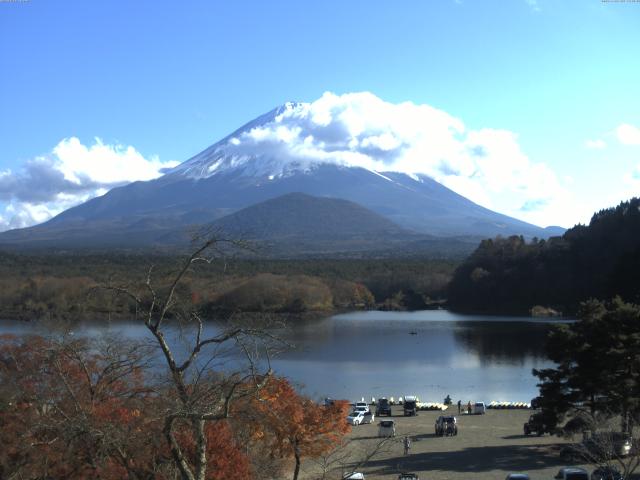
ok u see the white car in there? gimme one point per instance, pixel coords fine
(479, 408)
(359, 418)
(361, 405)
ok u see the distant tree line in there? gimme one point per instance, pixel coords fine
(63, 285)
(512, 275)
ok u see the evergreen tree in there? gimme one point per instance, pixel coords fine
(598, 366)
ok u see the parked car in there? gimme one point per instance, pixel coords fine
(387, 428)
(408, 476)
(479, 408)
(610, 445)
(359, 418)
(446, 425)
(517, 476)
(410, 406)
(384, 407)
(360, 405)
(353, 476)
(534, 425)
(572, 473)
(599, 448)
(606, 473)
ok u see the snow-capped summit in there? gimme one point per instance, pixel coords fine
(353, 130)
(253, 149)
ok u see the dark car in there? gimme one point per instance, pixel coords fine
(610, 445)
(572, 473)
(600, 448)
(384, 407)
(408, 476)
(606, 473)
(410, 406)
(535, 425)
(446, 425)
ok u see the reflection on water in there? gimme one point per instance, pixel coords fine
(430, 353)
(502, 342)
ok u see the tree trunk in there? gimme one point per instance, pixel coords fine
(296, 454)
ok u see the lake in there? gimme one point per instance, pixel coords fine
(430, 353)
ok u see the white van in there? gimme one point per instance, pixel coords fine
(479, 408)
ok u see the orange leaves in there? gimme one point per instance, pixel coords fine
(291, 421)
(225, 459)
(70, 411)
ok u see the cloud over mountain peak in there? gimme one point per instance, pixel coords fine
(360, 129)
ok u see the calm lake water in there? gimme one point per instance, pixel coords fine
(428, 353)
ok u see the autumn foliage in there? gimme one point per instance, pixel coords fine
(83, 410)
(296, 427)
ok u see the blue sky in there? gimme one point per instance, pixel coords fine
(159, 81)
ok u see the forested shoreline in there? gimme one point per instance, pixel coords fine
(67, 285)
(513, 275)
(503, 275)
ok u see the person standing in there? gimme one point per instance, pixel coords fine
(407, 445)
(459, 407)
(469, 408)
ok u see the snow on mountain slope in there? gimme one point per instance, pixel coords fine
(486, 166)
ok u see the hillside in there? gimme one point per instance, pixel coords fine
(299, 225)
(600, 260)
(305, 216)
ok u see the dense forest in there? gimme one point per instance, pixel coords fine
(63, 285)
(511, 275)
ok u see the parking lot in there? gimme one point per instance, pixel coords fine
(487, 447)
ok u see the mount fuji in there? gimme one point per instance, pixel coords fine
(285, 151)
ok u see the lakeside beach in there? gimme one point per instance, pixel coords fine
(487, 447)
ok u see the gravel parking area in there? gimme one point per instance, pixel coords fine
(487, 447)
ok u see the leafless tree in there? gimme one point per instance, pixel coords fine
(201, 376)
(353, 454)
(601, 444)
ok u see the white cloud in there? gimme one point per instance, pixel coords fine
(597, 144)
(105, 164)
(533, 4)
(628, 134)
(73, 173)
(359, 129)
